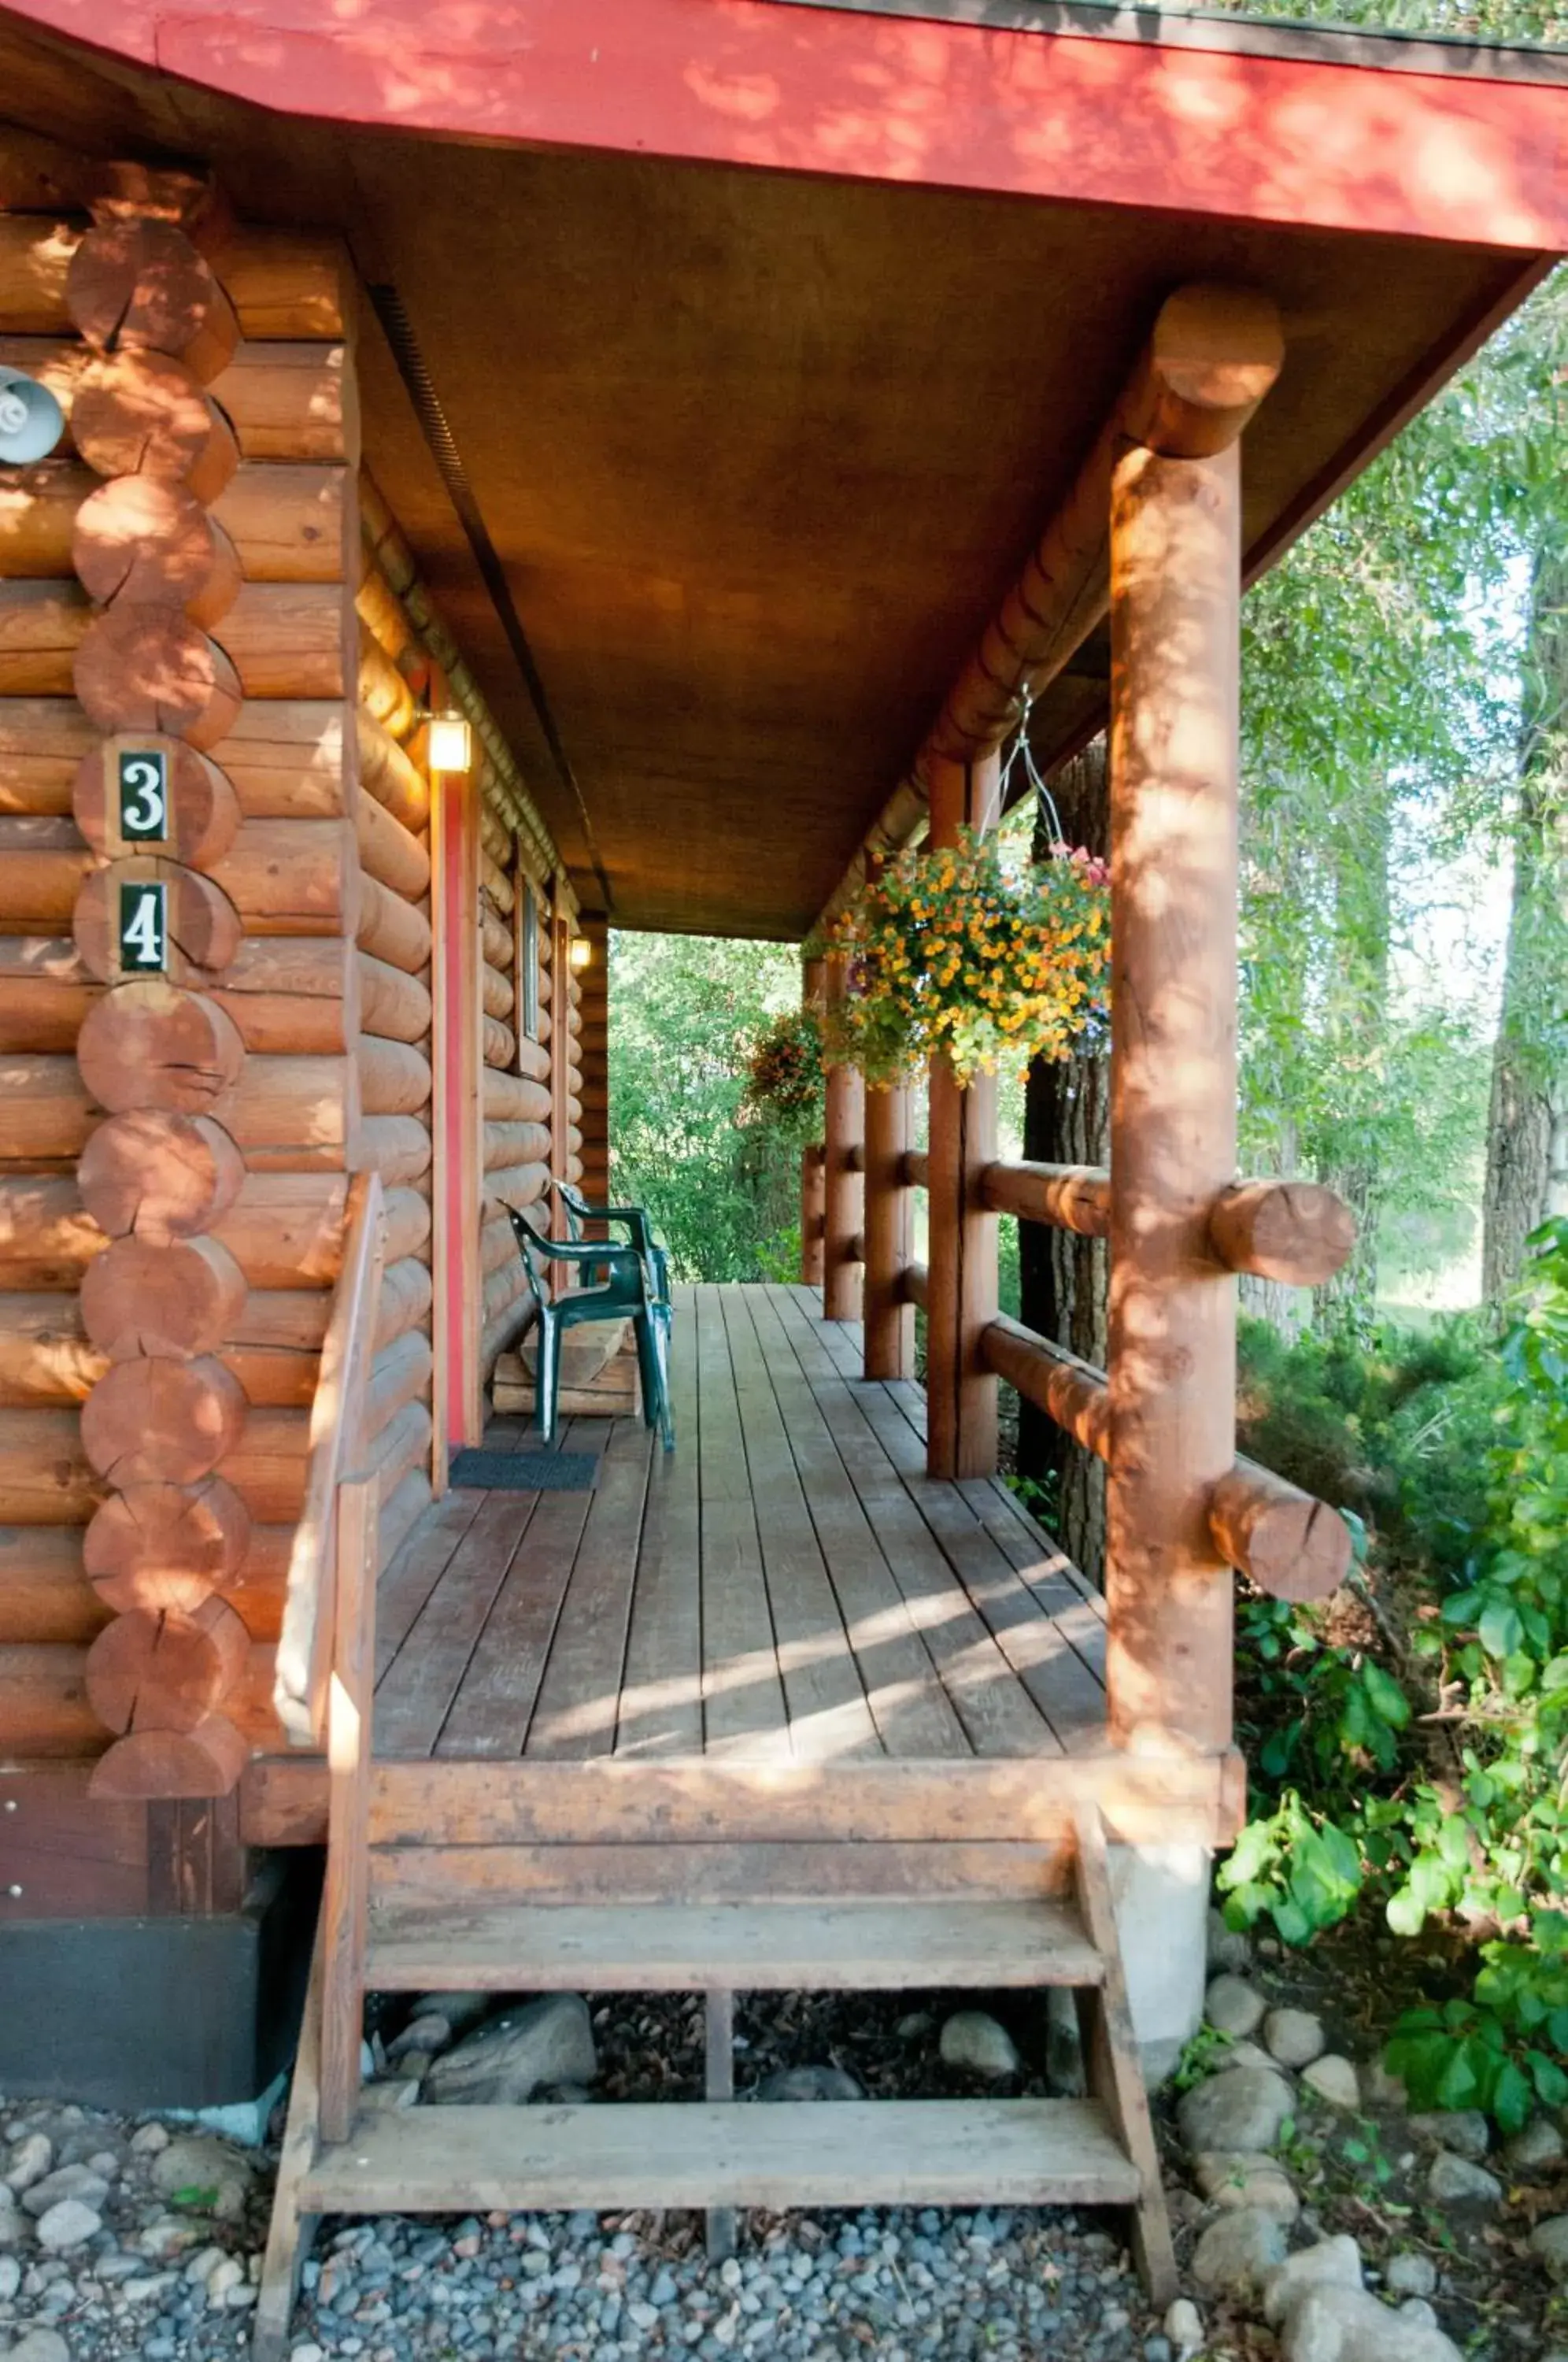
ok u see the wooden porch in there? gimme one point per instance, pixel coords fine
(789, 1585)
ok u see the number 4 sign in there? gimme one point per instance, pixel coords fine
(144, 795)
(143, 931)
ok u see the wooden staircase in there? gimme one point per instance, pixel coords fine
(708, 1875)
(440, 1913)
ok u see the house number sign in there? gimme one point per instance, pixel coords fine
(143, 926)
(144, 796)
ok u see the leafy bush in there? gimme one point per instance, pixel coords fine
(1469, 1828)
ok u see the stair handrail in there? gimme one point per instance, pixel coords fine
(303, 1672)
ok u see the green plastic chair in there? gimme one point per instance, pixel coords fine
(628, 1288)
(633, 1219)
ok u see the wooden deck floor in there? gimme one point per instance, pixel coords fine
(787, 1585)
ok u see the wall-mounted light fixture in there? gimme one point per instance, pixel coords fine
(449, 743)
(581, 954)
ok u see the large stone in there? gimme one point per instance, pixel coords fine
(68, 2224)
(1332, 2263)
(1184, 2327)
(1381, 2089)
(1293, 2037)
(1548, 2240)
(1335, 2083)
(505, 2062)
(1228, 1948)
(461, 2010)
(14, 2228)
(1464, 2130)
(39, 2346)
(1454, 2181)
(1534, 2149)
(66, 2181)
(29, 2160)
(1231, 2179)
(1236, 2254)
(204, 2175)
(1235, 2007)
(809, 2083)
(976, 2043)
(1410, 2275)
(1344, 2325)
(1243, 2108)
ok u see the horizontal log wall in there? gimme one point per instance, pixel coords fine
(269, 1149)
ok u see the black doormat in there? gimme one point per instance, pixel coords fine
(525, 1471)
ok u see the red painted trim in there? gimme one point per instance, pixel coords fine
(1044, 114)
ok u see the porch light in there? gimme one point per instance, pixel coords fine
(450, 743)
(581, 954)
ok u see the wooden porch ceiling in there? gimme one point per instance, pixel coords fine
(760, 449)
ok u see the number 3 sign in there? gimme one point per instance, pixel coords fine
(144, 796)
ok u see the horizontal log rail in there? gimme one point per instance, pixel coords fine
(1296, 1231)
(1290, 1545)
(913, 1282)
(338, 1442)
(915, 1169)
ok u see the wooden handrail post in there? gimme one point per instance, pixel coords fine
(961, 1392)
(345, 1896)
(1176, 575)
(890, 1318)
(845, 1125)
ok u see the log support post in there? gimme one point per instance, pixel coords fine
(594, 1052)
(1174, 572)
(813, 1193)
(889, 1316)
(457, 1108)
(961, 1288)
(843, 1184)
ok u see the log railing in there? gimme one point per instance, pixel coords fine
(338, 1491)
(1289, 1544)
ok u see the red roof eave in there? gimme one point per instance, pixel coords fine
(1061, 114)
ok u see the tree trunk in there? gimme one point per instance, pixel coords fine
(1527, 1123)
(1360, 952)
(1062, 1278)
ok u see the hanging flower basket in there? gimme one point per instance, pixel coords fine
(784, 1070)
(988, 960)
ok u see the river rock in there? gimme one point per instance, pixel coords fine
(1233, 2006)
(1184, 2327)
(1548, 2240)
(974, 2041)
(1345, 2324)
(1334, 2081)
(1332, 2263)
(1381, 2089)
(1242, 2108)
(39, 2346)
(1237, 2253)
(1464, 2130)
(505, 2063)
(809, 2083)
(1454, 2181)
(1293, 2037)
(14, 2228)
(1228, 1948)
(461, 2010)
(1410, 2275)
(66, 2181)
(1538, 2145)
(427, 2033)
(29, 2160)
(68, 2224)
(204, 2175)
(1233, 2179)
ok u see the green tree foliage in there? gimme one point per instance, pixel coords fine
(720, 1180)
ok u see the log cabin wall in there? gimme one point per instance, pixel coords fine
(141, 1573)
(141, 1578)
(594, 1059)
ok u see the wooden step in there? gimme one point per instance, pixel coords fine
(741, 1948)
(775, 2154)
